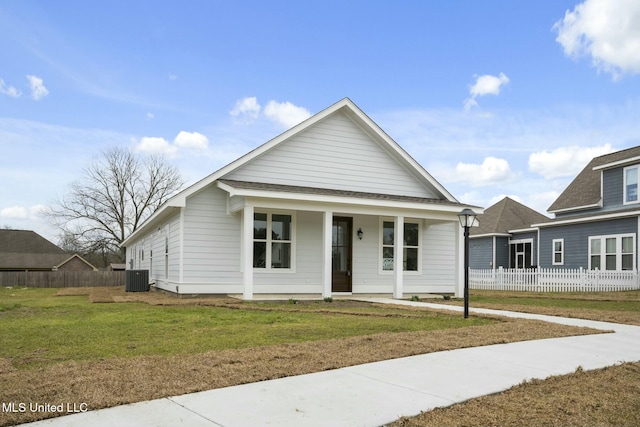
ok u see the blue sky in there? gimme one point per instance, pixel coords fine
(493, 98)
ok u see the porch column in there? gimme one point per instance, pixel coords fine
(247, 251)
(327, 241)
(459, 285)
(398, 255)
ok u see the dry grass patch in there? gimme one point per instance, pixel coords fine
(105, 382)
(616, 307)
(112, 382)
(605, 397)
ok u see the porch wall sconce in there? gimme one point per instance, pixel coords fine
(360, 233)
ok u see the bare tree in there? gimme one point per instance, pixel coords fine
(116, 193)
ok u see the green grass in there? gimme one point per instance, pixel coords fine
(554, 300)
(39, 328)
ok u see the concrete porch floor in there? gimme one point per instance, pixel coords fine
(319, 297)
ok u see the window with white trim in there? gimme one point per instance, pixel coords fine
(411, 248)
(388, 237)
(272, 240)
(630, 186)
(558, 251)
(614, 252)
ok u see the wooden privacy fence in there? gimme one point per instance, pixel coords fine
(553, 280)
(62, 279)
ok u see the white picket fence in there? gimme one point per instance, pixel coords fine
(553, 280)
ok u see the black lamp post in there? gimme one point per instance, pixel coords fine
(467, 218)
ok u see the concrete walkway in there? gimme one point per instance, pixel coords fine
(377, 393)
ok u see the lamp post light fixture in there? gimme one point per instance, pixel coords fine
(360, 233)
(467, 219)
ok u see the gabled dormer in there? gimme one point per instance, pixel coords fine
(608, 183)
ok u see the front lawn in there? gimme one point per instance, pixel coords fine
(39, 328)
(105, 347)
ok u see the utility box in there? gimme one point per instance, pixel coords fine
(137, 281)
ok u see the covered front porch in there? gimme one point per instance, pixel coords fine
(327, 243)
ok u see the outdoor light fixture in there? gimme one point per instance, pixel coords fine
(360, 233)
(467, 219)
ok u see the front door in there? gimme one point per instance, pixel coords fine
(341, 254)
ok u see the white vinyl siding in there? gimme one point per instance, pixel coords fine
(439, 254)
(335, 154)
(212, 240)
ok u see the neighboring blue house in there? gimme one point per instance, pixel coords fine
(596, 218)
(505, 237)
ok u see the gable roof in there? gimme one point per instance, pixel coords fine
(27, 250)
(506, 215)
(73, 257)
(345, 106)
(585, 190)
(26, 241)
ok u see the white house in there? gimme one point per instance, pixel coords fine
(331, 206)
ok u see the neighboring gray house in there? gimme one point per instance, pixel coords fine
(25, 250)
(596, 218)
(331, 206)
(504, 237)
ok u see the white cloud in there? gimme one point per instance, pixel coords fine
(192, 140)
(184, 140)
(285, 113)
(485, 85)
(38, 91)
(150, 116)
(14, 212)
(491, 171)
(155, 145)
(608, 31)
(9, 90)
(21, 212)
(247, 108)
(564, 161)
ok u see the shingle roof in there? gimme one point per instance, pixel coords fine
(506, 215)
(25, 249)
(584, 190)
(330, 192)
(17, 241)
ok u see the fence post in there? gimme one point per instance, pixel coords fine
(499, 277)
